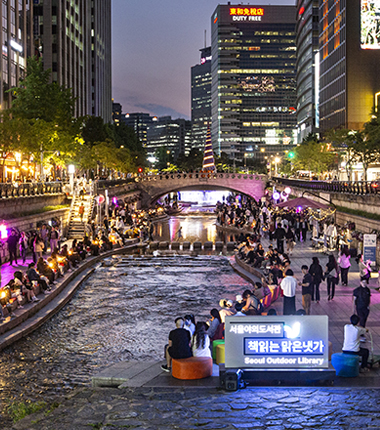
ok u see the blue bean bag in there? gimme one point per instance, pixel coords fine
(345, 365)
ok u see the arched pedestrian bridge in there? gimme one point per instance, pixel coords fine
(155, 186)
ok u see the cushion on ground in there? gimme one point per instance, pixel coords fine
(192, 368)
(345, 365)
(220, 353)
(215, 343)
(276, 293)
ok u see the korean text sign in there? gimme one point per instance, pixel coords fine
(277, 342)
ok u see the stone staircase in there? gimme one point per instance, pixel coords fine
(77, 228)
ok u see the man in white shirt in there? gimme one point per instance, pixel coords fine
(288, 286)
(351, 343)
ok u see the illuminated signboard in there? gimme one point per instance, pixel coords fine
(370, 24)
(246, 13)
(277, 342)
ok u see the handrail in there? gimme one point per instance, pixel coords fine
(347, 187)
(27, 189)
(200, 175)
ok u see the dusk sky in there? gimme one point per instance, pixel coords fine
(154, 45)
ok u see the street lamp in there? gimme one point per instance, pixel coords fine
(71, 171)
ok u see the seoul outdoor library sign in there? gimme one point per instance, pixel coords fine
(276, 342)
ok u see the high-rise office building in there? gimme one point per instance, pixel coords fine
(74, 41)
(116, 113)
(171, 135)
(16, 39)
(307, 40)
(140, 122)
(201, 99)
(349, 59)
(253, 80)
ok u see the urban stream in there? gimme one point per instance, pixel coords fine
(124, 311)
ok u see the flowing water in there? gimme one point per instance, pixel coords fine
(124, 311)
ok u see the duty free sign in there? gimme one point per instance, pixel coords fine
(276, 342)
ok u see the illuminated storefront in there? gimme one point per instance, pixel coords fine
(253, 88)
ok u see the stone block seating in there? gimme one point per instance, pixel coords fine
(175, 245)
(215, 343)
(192, 368)
(345, 365)
(220, 353)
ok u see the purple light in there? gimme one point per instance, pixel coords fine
(3, 231)
(275, 195)
(114, 200)
(299, 209)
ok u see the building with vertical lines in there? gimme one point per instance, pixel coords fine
(201, 99)
(17, 44)
(73, 37)
(307, 40)
(253, 80)
(349, 60)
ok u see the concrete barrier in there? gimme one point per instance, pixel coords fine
(197, 245)
(230, 246)
(153, 245)
(219, 246)
(186, 245)
(163, 245)
(208, 245)
(175, 245)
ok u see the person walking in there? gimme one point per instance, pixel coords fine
(364, 268)
(344, 265)
(12, 247)
(331, 276)
(316, 273)
(279, 235)
(361, 300)
(290, 240)
(306, 289)
(81, 211)
(23, 244)
(288, 286)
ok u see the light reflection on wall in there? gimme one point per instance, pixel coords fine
(204, 197)
(193, 228)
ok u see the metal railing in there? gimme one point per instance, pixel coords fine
(199, 175)
(347, 187)
(30, 189)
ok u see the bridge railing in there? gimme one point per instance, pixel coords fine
(347, 187)
(30, 189)
(114, 182)
(199, 175)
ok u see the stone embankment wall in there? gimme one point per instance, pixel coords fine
(18, 205)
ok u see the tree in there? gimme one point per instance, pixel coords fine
(313, 156)
(41, 117)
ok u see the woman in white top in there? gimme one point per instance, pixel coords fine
(200, 342)
(344, 264)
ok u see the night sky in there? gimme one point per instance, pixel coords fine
(154, 45)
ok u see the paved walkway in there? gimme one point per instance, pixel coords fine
(210, 409)
(341, 308)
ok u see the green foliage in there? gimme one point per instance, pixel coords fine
(356, 212)
(19, 410)
(193, 161)
(313, 156)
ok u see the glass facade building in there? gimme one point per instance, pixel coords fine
(253, 80)
(140, 122)
(73, 37)
(307, 39)
(17, 44)
(201, 99)
(171, 135)
(349, 60)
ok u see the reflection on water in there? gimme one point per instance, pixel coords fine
(194, 228)
(122, 312)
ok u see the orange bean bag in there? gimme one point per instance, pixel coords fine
(192, 368)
